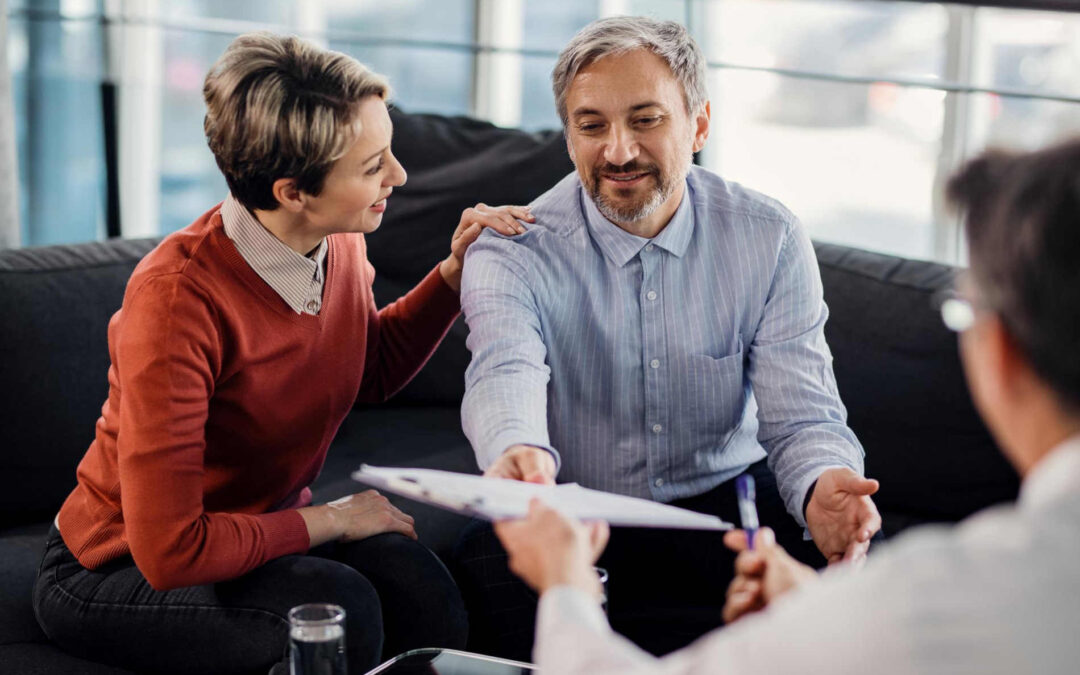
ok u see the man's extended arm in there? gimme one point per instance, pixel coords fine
(505, 403)
(802, 423)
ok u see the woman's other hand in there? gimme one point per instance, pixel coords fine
(355, 517)
(502, 219)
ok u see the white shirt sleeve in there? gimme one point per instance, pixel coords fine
(994, 595)
(836, 625)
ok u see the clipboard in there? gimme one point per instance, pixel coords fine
(501, 499)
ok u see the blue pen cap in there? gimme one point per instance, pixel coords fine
(747, 494)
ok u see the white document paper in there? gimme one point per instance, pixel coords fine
(498, 499)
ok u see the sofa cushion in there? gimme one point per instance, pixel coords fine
(57, 301)
(20, 557)
(45, 659)
(899, 374)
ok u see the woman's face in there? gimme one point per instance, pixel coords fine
(354, 193)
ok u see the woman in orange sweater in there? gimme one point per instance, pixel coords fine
(242, 343)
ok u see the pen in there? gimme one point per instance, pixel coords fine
(744, 488)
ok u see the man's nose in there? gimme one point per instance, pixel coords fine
(622, 147)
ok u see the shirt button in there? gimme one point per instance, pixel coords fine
(312, 306)
(651, 295)
(656, 428)
(655, 363)
(649, 248)
(659, 482)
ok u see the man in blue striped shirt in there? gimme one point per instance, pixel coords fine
(658, 331)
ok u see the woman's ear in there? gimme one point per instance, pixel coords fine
(288, 195)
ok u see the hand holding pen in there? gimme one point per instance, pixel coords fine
(763, 570)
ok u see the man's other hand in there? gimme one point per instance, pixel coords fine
(548, 549)
(841, 516)
(761, 575)
(524, 463)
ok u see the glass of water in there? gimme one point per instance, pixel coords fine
(317, 640)
(602, 574)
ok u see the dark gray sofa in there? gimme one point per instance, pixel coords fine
(897, 367)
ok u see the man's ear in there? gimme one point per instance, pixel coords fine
(569, 147)
(1010, 372)
(288, 195)
(701, 126)
(1012, 363)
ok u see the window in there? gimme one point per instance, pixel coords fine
(795, 118)
(852, 113)
(56, 60)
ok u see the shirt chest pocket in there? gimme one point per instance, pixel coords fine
(714, 392)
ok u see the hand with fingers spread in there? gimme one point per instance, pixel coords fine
(502, 219)
(547, 549)
(841, 516)
(525, 463)
(761, 575)
(356, 517)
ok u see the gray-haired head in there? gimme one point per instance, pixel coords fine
(618, 35)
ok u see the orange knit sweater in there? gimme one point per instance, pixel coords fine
(223, 401)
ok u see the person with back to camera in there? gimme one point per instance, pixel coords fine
(242, 343)
(997, 593)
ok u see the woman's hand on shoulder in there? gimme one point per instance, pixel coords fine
(502, 219)
(356, 517)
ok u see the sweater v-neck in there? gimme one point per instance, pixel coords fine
(265, 292)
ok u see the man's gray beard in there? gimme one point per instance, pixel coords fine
(632, 213)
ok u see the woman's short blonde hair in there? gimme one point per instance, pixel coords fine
(280, 107)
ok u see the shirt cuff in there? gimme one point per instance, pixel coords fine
(804, 487)
(564, 606)
(505, 441)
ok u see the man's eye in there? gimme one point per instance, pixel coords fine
(647, 121)
(375, 169)
(588, 127)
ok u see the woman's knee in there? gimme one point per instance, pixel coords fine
(304, 579)
(416, 588)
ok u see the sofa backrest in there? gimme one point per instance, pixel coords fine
(453, 163)
(56, 302)
(896, 365)
(899, 375)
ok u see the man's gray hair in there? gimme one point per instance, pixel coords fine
(618, 35)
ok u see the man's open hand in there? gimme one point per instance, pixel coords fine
(841, 516)
(525, 463)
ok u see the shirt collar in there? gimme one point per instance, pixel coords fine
(620, 246)
(298, 279)
(1056, 475)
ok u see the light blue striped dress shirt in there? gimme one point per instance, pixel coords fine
(655, 368)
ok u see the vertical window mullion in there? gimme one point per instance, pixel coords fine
(137, 51)
(959, 58)
(497, 90)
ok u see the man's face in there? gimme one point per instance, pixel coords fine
(631, 138)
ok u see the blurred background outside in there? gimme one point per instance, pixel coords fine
(850, 112)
